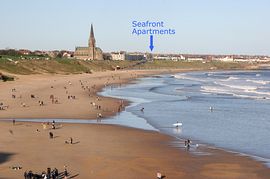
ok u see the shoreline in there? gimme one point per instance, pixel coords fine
(218, 163)
(217, 151)
(265, 161)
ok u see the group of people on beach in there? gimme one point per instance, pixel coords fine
(50, 174)
(2, 106)
(46, 124)
(71, 97)
(70, 141)
(98, 107)
(41, 103)
(54, 99)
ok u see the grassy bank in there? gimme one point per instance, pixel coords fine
(69, 66)
(59, 66)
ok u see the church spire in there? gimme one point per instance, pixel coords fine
(92, 41)
(92, 31)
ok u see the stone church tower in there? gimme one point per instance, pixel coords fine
(91, 52)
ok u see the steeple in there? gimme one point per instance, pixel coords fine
(92, 41)
(92, 31)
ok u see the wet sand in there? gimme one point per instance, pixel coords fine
(106, 151)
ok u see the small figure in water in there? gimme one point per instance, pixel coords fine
(142, 109)
(187, 143)
(211, 108)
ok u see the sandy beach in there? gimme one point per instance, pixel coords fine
(104, 151)
(98, 151)
(23, 102)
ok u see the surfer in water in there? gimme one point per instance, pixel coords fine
(177, 124)
(142, 109)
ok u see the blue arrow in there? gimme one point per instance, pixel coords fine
(151, 43)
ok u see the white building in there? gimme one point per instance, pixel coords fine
(118, 55)
(240, 60)
(191, 59)
(225, 59)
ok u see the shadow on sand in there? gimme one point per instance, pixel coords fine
(4, 157)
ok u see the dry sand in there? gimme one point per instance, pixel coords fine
(100, 151)
(43, 86)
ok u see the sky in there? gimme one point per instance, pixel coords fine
(202, 26)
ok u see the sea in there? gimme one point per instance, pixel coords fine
(229, 110)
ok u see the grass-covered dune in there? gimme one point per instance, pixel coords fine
(60, 66)
(71, 66)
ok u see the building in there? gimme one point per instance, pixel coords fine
(25, 52)
(118, 55)
(224, 59)
(192, 59)
(91, 52)
(135, 56)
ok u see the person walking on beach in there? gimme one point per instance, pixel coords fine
(53, 124)
(13, 121)
(71, 140)
(65, 173)
(56, 173)
(25, 175)
(49, 172)
(159, 176)
(51, 135)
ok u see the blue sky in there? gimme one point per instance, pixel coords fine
(202, 26)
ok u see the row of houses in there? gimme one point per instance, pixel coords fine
(122, 55)
(52, 54)
(206, 58)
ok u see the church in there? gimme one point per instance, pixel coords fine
(91, 52)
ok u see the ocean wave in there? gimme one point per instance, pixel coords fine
(240, 94)
(240, 87)
(154, 88)
(258, 81)
(179, 76)
(231, 78)
(215, 89)
(262, 93)
(185, 77)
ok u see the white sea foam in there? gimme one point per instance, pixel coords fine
(236, 90)
(240, 87)
(186, 77)
(231, 78)
(220, 90)
(216, 90)
(258, 81)
(262, 93)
